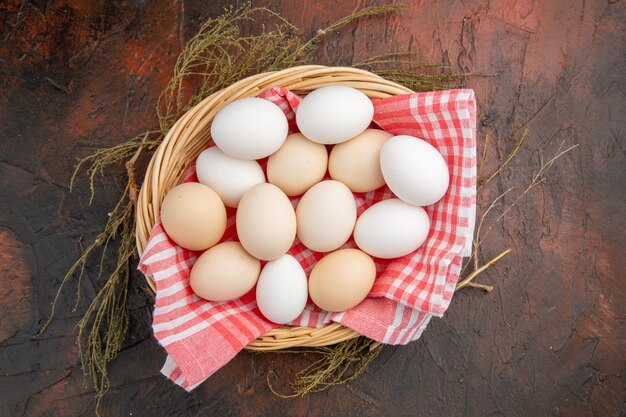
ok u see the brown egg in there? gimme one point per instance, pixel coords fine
(193, 216)
(326, 215)
(266, 222)
(224, 272)
(297, 165)
(356, 162)
(341, 279)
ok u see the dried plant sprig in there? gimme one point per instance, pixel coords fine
(220, 54)
(519, 143)
(358, 13)
(103, 158)
(337, 365)
(104, 325)
(469, 280)
(538, 177)
(410, 70)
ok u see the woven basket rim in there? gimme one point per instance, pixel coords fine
(191, 134)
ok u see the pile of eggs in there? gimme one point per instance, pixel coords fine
(336, 139)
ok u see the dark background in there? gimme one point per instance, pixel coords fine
(549, 340)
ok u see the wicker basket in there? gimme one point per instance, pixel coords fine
(190, 135)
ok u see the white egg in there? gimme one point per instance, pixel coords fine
(414, 170)
(391, 229)
(249, 128)
(281, 291)
(334, 114)
(229, 177)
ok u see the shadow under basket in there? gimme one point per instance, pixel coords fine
(190, 135)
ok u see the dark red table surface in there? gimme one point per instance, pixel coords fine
(549, 340)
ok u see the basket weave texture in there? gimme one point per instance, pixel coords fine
(190, 135)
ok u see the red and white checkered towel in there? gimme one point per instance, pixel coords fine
(201, 336)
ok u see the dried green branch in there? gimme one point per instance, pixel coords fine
(338, 364)
(105, 322)
(221, 54)
(538, 177)
(519, 143)
(356, 15)
(104, 158)
(407, 68)
(468, 281)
